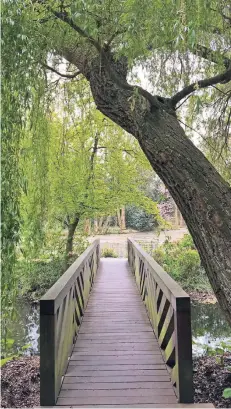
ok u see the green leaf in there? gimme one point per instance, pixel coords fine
(10, 342)
(26, 346)
(227, 393)
(8, 358)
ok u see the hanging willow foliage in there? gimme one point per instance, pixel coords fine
(21, 79)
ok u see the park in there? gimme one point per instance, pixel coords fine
(116, 203)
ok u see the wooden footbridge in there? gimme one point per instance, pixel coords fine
(116, 332)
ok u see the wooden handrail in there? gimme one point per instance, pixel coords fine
(168, 307)
(61, 312)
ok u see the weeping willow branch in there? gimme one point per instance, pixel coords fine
(48, 67)
(217, 79)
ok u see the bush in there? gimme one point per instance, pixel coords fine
(182, 262)
(36, 277)
(138, 219)
(108, 253)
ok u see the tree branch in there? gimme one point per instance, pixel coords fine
(120, 82)
(64, 17)
(113, 36)
(59, 73)
(217, 79)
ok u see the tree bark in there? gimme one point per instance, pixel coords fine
(201, 194)
(70, 237)
(87, 227)
(119, 219)
(96, 226)
(123, 218)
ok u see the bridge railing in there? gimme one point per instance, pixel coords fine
(61, 312)
(168, 307)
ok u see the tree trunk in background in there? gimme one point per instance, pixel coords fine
(105, 225)
(201, 194)
(87, 227)
(70, 237)
(176, 216)
(123, 219)
(182, 224)
(96, 227)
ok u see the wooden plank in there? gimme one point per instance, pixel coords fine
(117, 330)
(155, 405)
(98, 393)
(101, 327)
(112, 340)
(110, 400)
(116, 323)
(115, 348)
(115, 367)
(116, 360)
(116, 379)
(78, 375)
(127, 354)
(109, 339)
(117, 318)
(116, 385)
(145, 346)
(119, 335)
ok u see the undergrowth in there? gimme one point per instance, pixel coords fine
(182, 262)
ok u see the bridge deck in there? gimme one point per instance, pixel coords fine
(116, 359)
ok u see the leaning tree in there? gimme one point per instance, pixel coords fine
(183, 48)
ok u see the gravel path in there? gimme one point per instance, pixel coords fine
(148, 240)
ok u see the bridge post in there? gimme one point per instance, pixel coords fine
(182, 317)
(47, 356)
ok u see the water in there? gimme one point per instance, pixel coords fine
(24, 329)
(208, 327)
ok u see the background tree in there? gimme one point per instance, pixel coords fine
(82, 166)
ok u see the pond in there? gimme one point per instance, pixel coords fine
(208, 327)
(23, 329)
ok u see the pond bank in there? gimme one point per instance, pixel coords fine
(202, 297)
(210, 379)
(21, 382)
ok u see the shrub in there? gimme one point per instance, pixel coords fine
(36, 277)
(182, 262)
(109, 253)
(138, 219)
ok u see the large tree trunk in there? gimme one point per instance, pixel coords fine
(201, 194)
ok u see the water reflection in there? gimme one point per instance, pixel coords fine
(209, 326)
(24, 328)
